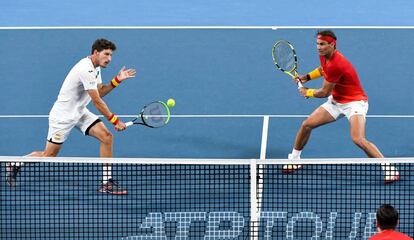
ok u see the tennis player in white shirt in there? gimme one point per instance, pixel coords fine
(82, 85)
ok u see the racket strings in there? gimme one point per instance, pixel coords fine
(285, 57)
(155, 115)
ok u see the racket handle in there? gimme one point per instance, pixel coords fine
(129, 124)
(300, 85)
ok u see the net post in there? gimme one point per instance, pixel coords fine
(254, 210)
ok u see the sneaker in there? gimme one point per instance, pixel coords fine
(11, 174)
(391, 177)
(112, 187)
(391, 173)
(291, 168)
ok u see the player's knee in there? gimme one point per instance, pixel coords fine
(49, 154)
(308, 125)
(359, 141)
(107, 137)
(36, 154)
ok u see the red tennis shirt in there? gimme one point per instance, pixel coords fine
(340, 71)
(390, 235)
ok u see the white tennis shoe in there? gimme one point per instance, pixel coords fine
(391, 173)
(291, 168)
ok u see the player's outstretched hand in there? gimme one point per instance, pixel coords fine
(126, 73)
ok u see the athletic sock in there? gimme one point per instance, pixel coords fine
(296, 153)
(107, 174)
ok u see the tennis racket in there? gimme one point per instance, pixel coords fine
(285, 59)
(153, 115)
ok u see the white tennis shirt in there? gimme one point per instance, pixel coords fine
(73, 96)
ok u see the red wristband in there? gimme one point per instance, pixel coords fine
(113, 119)
(115, 82)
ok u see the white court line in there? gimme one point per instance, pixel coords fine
(264, 138)
(211, 161)
(217, 116)
(196, 27)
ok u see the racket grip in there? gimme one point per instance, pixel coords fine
(128, 124)
(300, 85)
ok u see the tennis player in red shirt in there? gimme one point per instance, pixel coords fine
(346, 97)
(387, 221)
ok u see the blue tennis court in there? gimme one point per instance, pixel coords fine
(224, 82)
(208, 72)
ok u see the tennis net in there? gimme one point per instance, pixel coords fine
(57, 198)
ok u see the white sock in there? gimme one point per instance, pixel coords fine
(296, 153)
(388, 168)
(106, 173)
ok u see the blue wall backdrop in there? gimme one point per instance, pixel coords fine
(206, 13)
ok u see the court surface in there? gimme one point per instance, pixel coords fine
(209, 72)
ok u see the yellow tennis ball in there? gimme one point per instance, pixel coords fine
(171, 102)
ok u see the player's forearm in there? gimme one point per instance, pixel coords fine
(105, 89)
(317, 93)
(321, 93)
(102, 108)
(111, 117)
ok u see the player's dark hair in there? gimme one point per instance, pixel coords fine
(102, 44)
(387, 217)
(326, 32)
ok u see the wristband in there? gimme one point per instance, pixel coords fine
(314, 74)
(113, 119)
(310, 92)
(115, 82)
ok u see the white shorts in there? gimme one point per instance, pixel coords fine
(338, 110)
(59, 130)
